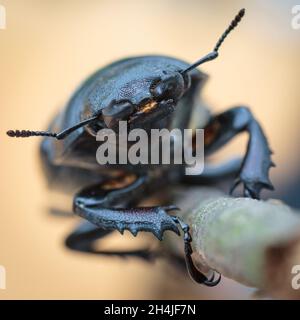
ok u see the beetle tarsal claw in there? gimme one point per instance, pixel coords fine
(212, 282)
(251, 188)
(195, 274)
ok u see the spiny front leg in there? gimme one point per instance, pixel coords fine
(151, 219)
(254, 172)
(94, 205)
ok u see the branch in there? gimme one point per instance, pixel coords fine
(253, 242)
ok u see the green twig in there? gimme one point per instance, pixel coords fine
(256, 243)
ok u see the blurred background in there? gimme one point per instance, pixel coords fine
(49, 47)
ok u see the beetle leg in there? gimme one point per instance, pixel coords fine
(83, 238)
(254, 171)
(151, 219)
(121, 189)
(213, 173)
(195, 274)
(110, 205)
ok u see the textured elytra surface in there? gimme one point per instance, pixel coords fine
(126, 79)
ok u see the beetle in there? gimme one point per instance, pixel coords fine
(148, 92)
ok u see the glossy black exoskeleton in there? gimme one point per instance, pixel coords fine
(148, 92)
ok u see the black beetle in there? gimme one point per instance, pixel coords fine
(148, 92)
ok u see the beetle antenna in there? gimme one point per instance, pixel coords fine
(214, 54)
(58, 136)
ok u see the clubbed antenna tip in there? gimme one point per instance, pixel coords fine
(28, 133)
(214, 54)
(58, 136)
(232, 25)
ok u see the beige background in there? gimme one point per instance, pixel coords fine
(50, 46)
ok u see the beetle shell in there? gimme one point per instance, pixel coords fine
(125, 80)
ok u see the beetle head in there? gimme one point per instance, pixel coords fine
(160, 100)
(161, 94)
(164, 93)
(168, 89)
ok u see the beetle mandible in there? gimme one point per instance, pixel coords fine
(148, 92)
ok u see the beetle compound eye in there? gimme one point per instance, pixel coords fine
(117, 111)
(171, 87)
(163, 89)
